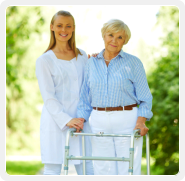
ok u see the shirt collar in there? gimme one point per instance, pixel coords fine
(100, 55)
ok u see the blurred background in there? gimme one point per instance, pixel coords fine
(154, 39)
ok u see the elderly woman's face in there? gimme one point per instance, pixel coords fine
(114, 41)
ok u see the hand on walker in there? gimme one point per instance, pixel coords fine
(140, 124)
(76, 123)
(93, 55)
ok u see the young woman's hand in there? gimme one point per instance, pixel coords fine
(93, 55)
(76, 123)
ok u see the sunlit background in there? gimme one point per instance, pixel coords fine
(154, 39)
(89, 20)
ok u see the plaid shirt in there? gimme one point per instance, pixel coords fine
(122, 83)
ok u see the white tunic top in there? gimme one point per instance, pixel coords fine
(60, 82)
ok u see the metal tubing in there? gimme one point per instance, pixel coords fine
(83, 154)
(67, 150)
(148, 153)
(107, 135)
(131, 156)
(97, 158)
(135, 134)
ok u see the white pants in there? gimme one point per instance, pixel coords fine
(116, 122)
(55, 169)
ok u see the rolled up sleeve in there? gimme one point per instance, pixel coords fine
(143, 93)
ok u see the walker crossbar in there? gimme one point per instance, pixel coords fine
(101, 134)
(135, 134)
(97, 158)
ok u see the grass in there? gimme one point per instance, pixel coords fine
(23, 167)
(33, 167)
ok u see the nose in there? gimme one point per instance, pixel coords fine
(114, 40)
(63, 29)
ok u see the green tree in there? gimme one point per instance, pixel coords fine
(25, 26)
(18, 32)
(164, 85)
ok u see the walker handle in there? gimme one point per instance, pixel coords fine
(137, 132)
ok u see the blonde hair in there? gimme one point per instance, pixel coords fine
(71, 41)
(114, 26)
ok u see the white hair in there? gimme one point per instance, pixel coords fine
(114, 26)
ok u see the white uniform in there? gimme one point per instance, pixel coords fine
(60, 82)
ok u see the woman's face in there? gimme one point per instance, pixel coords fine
(114, 41)
(63, 27)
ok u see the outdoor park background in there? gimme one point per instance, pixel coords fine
(154, 39)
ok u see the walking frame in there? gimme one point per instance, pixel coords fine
(135, 134)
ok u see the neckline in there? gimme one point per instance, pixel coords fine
(121, 53)
(59, 58)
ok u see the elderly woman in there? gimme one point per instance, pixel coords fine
(115, 93)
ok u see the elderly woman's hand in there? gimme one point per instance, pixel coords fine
(140, 124)
(76, 123)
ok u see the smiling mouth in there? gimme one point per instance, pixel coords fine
(63, 35)
(112, 45)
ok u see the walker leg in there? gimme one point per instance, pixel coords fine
(66, 160)
(67, 151)
(148, 154)
(131, 156)
(131, 162)
(83, 154)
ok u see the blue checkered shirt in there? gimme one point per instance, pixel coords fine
(122, 83)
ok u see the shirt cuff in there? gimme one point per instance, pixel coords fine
(64, 127)
(145, 113)
(81, 115)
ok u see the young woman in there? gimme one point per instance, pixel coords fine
(60, 72)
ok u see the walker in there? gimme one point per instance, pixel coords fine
(135, 134)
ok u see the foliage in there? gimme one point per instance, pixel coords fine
(25, 27)
(19, 33)
(23, 167)
(26, 38)
(164, 85)
(153, 170)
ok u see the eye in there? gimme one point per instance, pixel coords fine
(59, 26)
(69, 26)
(120, 37)
(110, 35)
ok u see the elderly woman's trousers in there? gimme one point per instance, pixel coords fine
(116, 122)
